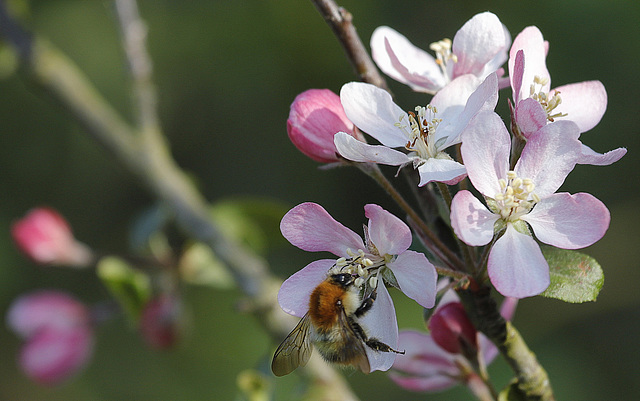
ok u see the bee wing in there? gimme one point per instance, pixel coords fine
(352, 336)
(294, 350)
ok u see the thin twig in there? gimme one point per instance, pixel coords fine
(151, 162)
(339, 20)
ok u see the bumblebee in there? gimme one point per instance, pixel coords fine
(331, 325)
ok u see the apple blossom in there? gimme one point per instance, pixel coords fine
(428, 367)
(58, 333)
(382, 256)
(479, 48)
(536, 104)
(314, 118)
(524, 196)
(425, 133)
(45, 237)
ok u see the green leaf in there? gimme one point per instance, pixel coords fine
(130, 288)
(255, 222)
(575, 277)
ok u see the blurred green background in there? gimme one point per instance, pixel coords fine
(226, 72)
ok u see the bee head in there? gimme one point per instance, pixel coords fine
(342, 279)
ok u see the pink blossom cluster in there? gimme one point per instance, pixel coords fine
(517, 174)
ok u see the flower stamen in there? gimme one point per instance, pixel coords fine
(443, 53)
(516, 197)
(548, 103)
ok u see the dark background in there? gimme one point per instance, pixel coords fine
(226, 72)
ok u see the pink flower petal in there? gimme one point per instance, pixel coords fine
(583, 102)
(549, 156)
(485, 150)
(32, 312)
(416, 277)
(534, 47)
(424, 366)
(516, 266)
(380, 323)
(516, 73)
(471, 220)
(373, 111)
(309, 227)
(530, 116)
(589, 156)
(441, 170)
(569, 221)
(389, 234)
(295, 292)
(54, 355)
(397, 57)
(357, 151)
(482, 40)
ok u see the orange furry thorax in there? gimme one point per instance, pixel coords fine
(324, 306)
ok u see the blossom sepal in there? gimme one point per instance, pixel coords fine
(575, 277)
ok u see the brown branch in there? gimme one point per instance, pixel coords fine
(339, 20)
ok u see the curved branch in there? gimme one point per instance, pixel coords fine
(146, 156)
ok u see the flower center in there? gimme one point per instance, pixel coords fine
(516, 197)
(364, 266)
(444, 56)
(421, 133)
(549, 103)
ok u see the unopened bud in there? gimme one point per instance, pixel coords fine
(452, 330)
(160, 322)
(45, 237)
(316, 115)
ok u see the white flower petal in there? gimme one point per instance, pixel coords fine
(589, 156)
(416, 277)
(486, 146)
(380, 323)
(389, 234)
(516, 266)
(471, 220)
(482, 40)
(569, 221)
(373, 111)
(549, 156)
(397, 57)
(353, 149)
(441, 170)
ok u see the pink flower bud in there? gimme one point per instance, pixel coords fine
(452, 330)
(45, 237)
(316, 115)
(160, 322)
(31, 312)
(53, 355)
(58, 334)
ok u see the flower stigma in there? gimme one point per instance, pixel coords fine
(548, 103)
(516, 197)
(421, 133)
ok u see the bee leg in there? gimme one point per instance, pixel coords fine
(372, 343)
(379, 346)
(367, 303)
